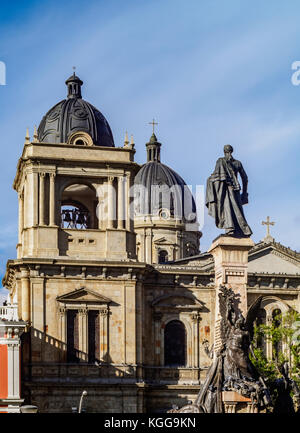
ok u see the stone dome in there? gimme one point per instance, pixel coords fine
(159, 190)
(72, 115)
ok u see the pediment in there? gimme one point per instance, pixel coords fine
(83, 295)
(204, 261)
(177, 301)
(162, 241)
(273, 261)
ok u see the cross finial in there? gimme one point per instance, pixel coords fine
(74, 68)
(153, 123)
(268, 223)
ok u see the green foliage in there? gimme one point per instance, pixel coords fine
(284, 342)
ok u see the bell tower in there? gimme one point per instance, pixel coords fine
(76, 280)
(74, 199)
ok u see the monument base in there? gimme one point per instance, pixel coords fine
(231, 269)
(236, 403)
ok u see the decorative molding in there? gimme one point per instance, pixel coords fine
(196, 317)
(83, 295)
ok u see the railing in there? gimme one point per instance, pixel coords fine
(172, 375)
(115, 373)
(9, 312)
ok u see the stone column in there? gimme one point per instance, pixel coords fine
(25, 204)
(10, 332)
(179, 242)
(128, 222)
(21, 216)
(129, 314)
(13, 367)
(110, 203)
(62, 324)
(100, 212)
(10, 370)
(35, 199)
(120, 202)
(42, 200)
(268, 343)
(231, 269)
(104, 334)
(52, 200)
(63, 334)
(196, 319)
(149, 258)
(25, 286)
(139, 322)
(82, 332)
(157, 338)
(16, 356)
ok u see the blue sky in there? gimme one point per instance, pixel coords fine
(211, 72)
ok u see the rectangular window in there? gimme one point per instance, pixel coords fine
(93, 336)
(72, 336)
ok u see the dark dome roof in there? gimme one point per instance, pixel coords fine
(158, 187)
(74, 114)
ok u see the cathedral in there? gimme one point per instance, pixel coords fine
(115, 296)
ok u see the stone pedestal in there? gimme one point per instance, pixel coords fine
(231, 269)
(10, 343)
(236, 403)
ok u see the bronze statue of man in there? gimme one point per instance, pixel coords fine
(224, 198)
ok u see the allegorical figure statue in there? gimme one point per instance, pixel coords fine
(232, 369)
(224, 197)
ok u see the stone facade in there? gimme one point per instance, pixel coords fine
(107, 269)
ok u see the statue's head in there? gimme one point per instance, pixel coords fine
(228, 149)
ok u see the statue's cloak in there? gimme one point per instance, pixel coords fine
(210, 395)
(223, 197)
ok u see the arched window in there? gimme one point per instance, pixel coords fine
(162, 256)
(175, 344)
(78, 207)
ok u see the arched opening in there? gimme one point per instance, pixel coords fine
(276, 322)
(80, 142)
(80, 138)
(175, 344)
(162, 256)
(78, 207)
(261, 319)
(276, 317)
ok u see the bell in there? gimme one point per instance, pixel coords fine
(80, 218)
(67, 217)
